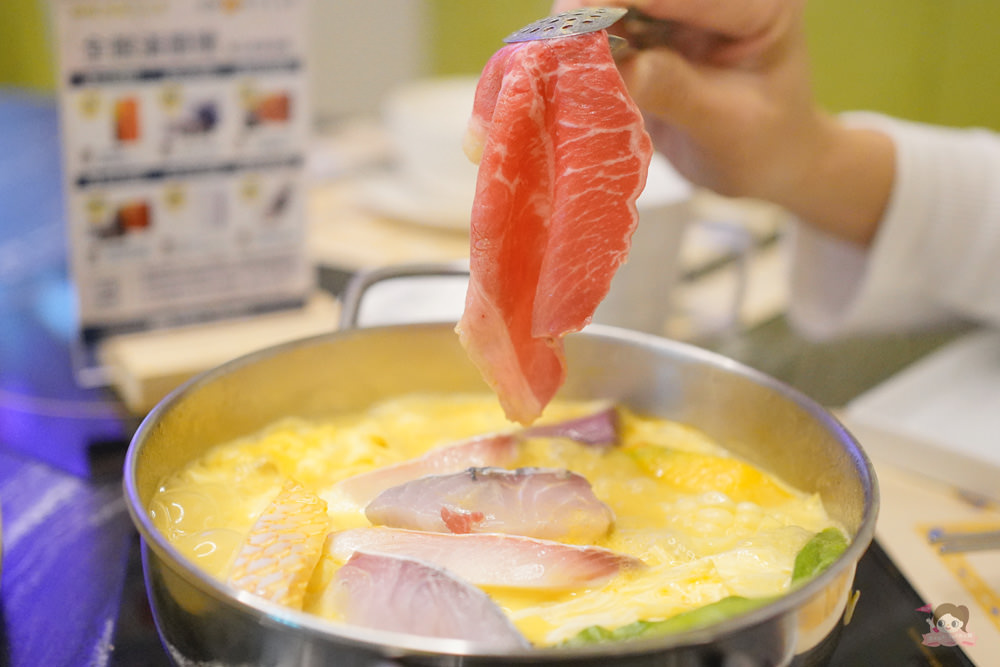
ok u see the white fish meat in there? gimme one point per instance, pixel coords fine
(546, 503)
(600, 428)
(489, 450)
(405, 595)
(490, 559)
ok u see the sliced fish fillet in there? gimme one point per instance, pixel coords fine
(283, 546)
(405, 595)
(545, 503)
(599, 429)
(490, 450)
(489, 559)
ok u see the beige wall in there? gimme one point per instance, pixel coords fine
(359, 49)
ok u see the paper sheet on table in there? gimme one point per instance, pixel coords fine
(911, 507)
(939, 417)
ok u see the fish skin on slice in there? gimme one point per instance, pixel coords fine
(487, 450)
(500, 449)
(547, 503)
(563, 156)
(599, 429)
(281, 551)
(490, 559)
(400, 594)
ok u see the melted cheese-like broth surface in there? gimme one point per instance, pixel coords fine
(707, 524)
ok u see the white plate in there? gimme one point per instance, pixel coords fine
(391, 196)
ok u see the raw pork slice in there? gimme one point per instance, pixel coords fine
(563, 156)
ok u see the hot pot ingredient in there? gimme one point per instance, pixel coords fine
(563, 156)
(599, 428)
(491, 560)
(405, 595)
(818, 554)
(691, 525)
(490, 450)
(552, 504)
(280, 553)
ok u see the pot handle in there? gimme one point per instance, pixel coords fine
(350, 307)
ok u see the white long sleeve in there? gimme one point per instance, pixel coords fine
(936, 256)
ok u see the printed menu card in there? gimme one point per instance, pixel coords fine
(184, 126)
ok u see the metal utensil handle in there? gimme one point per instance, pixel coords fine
(573, 22)
(640, 30)
(643, 31)
(350, 306)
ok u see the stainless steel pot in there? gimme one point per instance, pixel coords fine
(203, 621)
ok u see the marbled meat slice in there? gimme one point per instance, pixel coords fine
(405, 595)
(564, 157)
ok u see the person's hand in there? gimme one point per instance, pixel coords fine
(728, 100)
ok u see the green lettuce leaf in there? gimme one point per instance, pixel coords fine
(818, 554)
(715, 612)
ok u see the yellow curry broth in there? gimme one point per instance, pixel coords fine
(706, 524)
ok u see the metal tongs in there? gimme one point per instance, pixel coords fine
(643, 31)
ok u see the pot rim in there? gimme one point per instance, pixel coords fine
(408, 644)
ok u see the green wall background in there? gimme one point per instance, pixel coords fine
(929, 60)
(465, 33)
(935, 61)
(26, 61)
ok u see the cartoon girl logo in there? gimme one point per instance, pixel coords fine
(948, 624)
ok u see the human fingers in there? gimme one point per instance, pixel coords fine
(566, 5)
(744, 19)
(712, 123)
(665, 83)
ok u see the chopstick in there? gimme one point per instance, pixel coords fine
(965, 541)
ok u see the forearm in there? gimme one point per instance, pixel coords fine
(845, 182)
(936, 256)
(729, 100)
